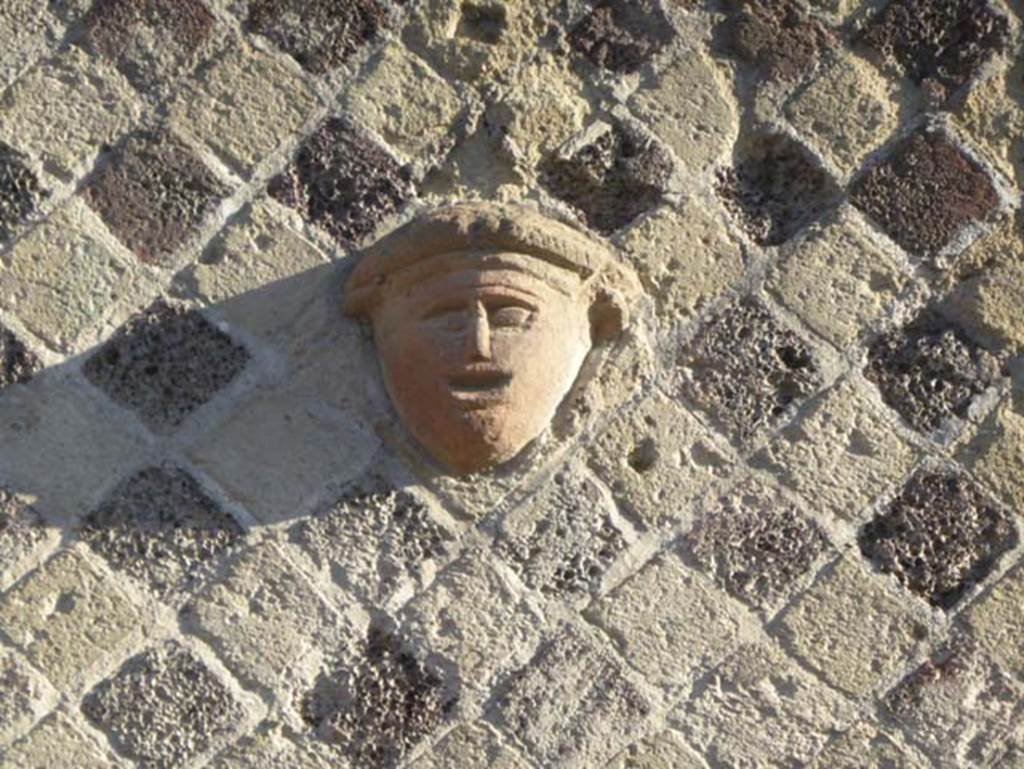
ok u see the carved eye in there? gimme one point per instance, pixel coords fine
(510, 316)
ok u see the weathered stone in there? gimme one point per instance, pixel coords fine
(20, 191)
(864, 744)
(924, 193)
(663, 751)
(930, 371)
(745, 370)
(658, 461)
(840, 456)
(269, 748)
(22, 532)
(163, 707)
(573, 705)
(66, 618)
(22, 697)
(775, 188)
(756, 543)
(839, 281)
(244, 105)
(997, 624)
(621, 35)
(671, 623)
(991, 115)
(342, 182)
(997, 451)
(610, 174)
(381, 705)
(18, 364)
(154, 193)
(165, 363)
(27, 29)
(161, 528)
(471, 746)
(780, 39)
(850, 630)
(57, 742)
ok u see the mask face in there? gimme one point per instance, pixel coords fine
(478, 355)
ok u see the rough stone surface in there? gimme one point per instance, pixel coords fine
(663, 751)
(18, 364)
(474, 746)
(57, 741)
(163, 707)
(161, 528)
(930, 371)
(780, 39)
(154, 193)
(22, 531)
(863, 743)
(996, 623)
(940, 536)
(621, 36)
(21, 698)
(343, 182)
(28, 29)
(745, 370)
(998, 449)
(991, 114)
(775, 188)
(20, 191)
(161, 345)
(924, 193)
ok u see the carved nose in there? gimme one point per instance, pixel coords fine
(478, 336)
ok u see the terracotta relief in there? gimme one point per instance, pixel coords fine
(483, 315)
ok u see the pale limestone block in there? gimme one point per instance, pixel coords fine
(670, 622)
(997, 452)
(997, 622)
(56, 742)
(685, 257)
(662, 751)
(841, 456)
(268, 748)
(407, 104)
(64, 276)
(27, 29)
(992, 117)
(846, 112)
(864, 744)
(471, 746)
(761, 709)
(658, 461)
(66, 109)
(67, 618)
(244, 106)
(839, 281)
(851, 630)
(692, 108)
(473, 616)
(22, 698)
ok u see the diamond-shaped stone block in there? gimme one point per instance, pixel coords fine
(164, 363)
(161, 528)
(163, 707)
(343, 182)
(154, 194)
(18, 364)
(621, 35)
(780, 39)
(20, 191)
(745, 370)
(940, 536)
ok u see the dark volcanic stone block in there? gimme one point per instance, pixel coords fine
(154, 193)
(159, 527)
(756, 544)
(775, 189)
(20, 193)
(613, 179)
(621, 35)
(163, 707)
(925, 193)
(319, 34)
(745, 370)
(939, 43)
(164, 363)
(343, 182)
(940, 536)
(17, 363)
(381, 706)
(779, 37)
(930, 371)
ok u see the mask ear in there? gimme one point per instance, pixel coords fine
(609, 308)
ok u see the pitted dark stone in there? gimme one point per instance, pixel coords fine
(925, 192)
(613, 180)
(164, 363)
(937, 43)
(380, 706)
(161, 528)
(622, 35)
(930, 371)
(745, 370)
(756, 544)
(163, 707)
(18, 364)
(778, 37)
(483, 22)
(939, 536)
(775, 189)
(319, 34)
(343, 182)
(20, 192)
(154, 193)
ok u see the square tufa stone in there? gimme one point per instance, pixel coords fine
(745, 370)
(621, 35)
(164, 363)
(161, 528)
(20, 191)
(154, 193)
(163, 707)
(343, 182)
(18, 364)
(939, 537)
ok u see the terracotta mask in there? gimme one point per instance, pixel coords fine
(482, 317)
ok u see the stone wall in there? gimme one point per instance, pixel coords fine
(778, 525)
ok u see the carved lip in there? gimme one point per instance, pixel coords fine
(479, 383)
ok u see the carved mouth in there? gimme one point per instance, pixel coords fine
(479, 382)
